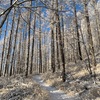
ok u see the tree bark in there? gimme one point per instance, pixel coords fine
(77, 32)
(61, 44)
(34, 27)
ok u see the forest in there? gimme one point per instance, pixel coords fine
(49, 49)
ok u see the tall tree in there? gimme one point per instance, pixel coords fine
(15, 43)
(29, 31)
(61, 43)
(32, 51)
(94, 3)
(40, 51)
(77, 32)
(10, 46)
(91, 47)
(3, 50)
(52, 41)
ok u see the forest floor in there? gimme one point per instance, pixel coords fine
(54, 94)
(78, 82)
(49, 86)
(21, 88)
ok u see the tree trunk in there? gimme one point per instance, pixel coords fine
(61, 44)
(28, 54)
(40, 51)
(52, 43)
(97, 21)
(15, 43)
(9, 48)
(3, 50)
(91, 47)
(34, 27)
(77, 32)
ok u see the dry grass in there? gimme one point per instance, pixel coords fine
(70, 93)
(78, 81)
(81, 73)
(3, 91)
(24, 88)
(98, 69)
(54, 82)
(97, 98)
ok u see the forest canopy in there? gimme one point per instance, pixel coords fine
(42, 35)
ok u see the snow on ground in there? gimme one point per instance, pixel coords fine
(78, 81)
(21, 88)
(54, 93)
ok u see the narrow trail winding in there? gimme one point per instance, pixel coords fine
(54, 93)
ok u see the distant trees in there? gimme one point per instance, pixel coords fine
(14, 47)
(10, 44)
(3, 50)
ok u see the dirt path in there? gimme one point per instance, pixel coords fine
(54, 93)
